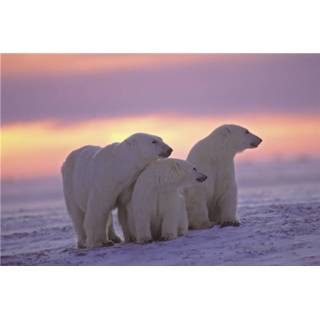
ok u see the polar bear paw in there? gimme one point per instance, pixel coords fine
(144, 240)
(182, 231)
(81, 244)
(167, 237)
(99, 244)
(203, 225)
(116, 239)
(231, 223)
(107, 243)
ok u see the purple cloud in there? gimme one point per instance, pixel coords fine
(267, 83)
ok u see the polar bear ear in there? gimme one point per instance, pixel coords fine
(226, 131)
(129, 142)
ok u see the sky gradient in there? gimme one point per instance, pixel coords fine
(51, 104)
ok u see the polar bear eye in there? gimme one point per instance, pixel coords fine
(154, 141)
(194, 169)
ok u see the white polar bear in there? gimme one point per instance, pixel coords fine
(94, 177)
(215, 201)
(157, 207)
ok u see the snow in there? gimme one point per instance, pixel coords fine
(279, 209)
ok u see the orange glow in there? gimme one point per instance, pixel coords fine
(26, 64)
(39, 148)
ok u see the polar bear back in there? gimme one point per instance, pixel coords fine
(79, 169)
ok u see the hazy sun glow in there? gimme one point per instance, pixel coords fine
(38, 148)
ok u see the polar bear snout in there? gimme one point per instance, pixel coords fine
(201, 177)
(166, 151)
(256, 142)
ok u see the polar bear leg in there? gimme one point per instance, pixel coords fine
(183, 217)
(111, 234)
(95, 223)
(123, 220)
(198, 215)
(197, 209)
(169, 209)
(169, 228)
(140, 226)
(77, 217)
(139, 216)
(228, 209)
(200, 219)
(143, 233)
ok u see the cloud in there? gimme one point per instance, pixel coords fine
(208, 85)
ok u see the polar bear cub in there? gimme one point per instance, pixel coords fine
(94, 177)
(215, 201)
(157, 207)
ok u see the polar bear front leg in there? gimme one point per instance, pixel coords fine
(169, 227)
(142, 232)
(228, 208)
(183, 216)
(95, 222)
(139, 223)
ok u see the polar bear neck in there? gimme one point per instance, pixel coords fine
(219, 149)
(133, 165)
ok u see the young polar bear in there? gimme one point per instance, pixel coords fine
(94, 177)
(215, 201)
(157, 207)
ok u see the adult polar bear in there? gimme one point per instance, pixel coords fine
(94, 177)
(215, 200)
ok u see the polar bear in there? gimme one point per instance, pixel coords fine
(157, 207)
(94, 177)
(215, 201)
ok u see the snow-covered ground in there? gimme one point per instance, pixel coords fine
(279, 209)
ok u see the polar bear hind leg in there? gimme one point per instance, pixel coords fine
(95, 223)
(77, 217)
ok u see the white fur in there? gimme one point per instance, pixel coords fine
(215, 201)
(94, 177)
(157, 208)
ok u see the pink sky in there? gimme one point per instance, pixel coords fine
(53, 103)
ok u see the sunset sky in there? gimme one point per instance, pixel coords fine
(51, 104)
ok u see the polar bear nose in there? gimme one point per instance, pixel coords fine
(202, 178)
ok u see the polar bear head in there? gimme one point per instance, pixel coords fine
(237, 138)
(148, 147)
(178, 173)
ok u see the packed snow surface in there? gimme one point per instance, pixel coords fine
(279, 209)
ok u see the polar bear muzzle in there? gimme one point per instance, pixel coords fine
(256, 142)
(166, 151)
